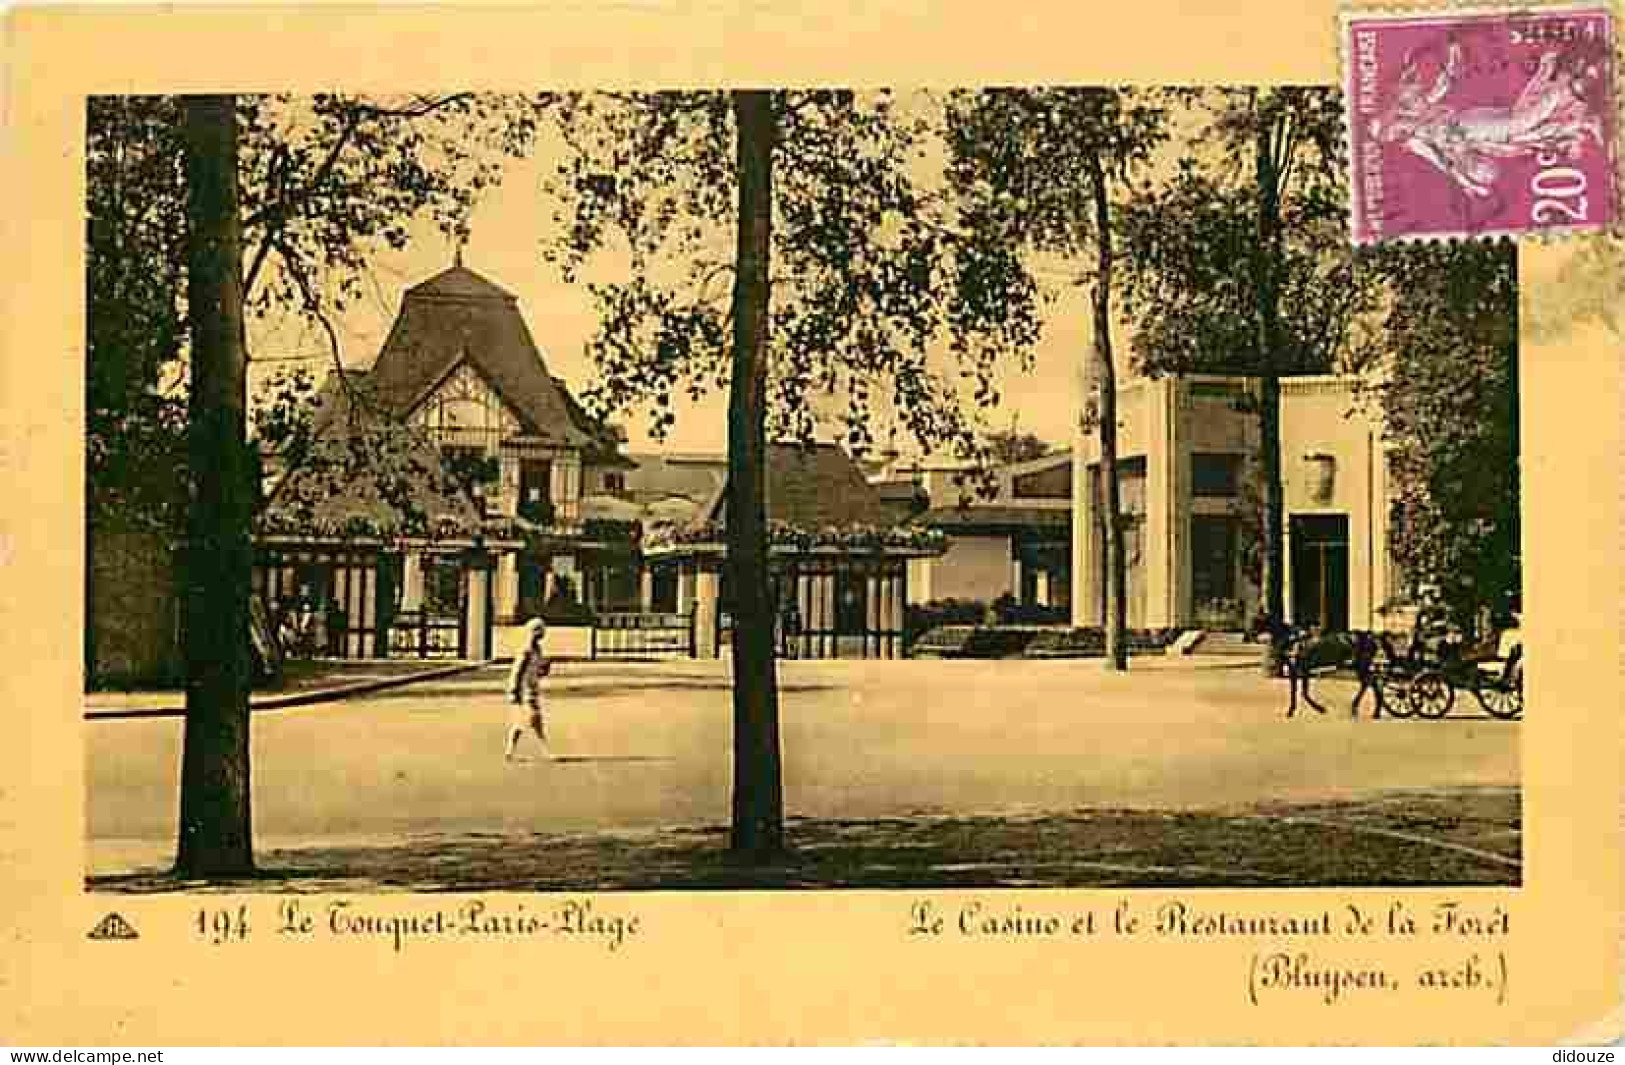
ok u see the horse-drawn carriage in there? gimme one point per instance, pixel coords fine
(1421, 680)
(1425, 678)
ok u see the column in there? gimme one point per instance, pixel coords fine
(1085, 583)
(1382, 574)
(891, 614)
(507, 499)
(565, 489)
(826, 587)
(476, 620)
(412, 581)
(507, 587)
(646, 588)
(873, 604)
(820, 610)
(1043, 587)
(685, 587)
(919, 580)
(804, 606)
(705, 620)
(1162, 510)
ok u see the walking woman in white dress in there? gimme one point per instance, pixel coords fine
(530, 665)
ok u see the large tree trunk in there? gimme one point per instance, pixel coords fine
(1267, 307)
(758, 792)
(1106, 377)
(216, 827)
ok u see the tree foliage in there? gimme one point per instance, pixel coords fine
(1038, 168)
(1450, 405)
(1190, 280)
(135, 307)
(326, 183)
(1239, 265)
(880, 295)
(334, 464)
(330, 181)
(1010, 446)
(849, 274)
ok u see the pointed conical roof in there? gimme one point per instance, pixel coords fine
(459, 282)
(458, 316)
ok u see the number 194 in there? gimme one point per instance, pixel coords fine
(220, 926)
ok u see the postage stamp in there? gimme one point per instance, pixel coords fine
(1480, 123)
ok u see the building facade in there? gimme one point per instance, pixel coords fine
(1190, 494)
(461, 378)
(838, 564)
(1016, 545)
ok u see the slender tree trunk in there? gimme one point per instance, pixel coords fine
(1106, 377)
(758, 791)
(1267, 306)
(216, 837)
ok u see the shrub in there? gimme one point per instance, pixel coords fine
(919, 619)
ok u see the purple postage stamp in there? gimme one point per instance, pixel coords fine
(1476, 123)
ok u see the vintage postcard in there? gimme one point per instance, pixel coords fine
(688, 524)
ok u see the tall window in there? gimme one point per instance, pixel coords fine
(1215, 475)
(535, 489)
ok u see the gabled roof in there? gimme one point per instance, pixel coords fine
(813, 488)
(605, 449)
(457, 316)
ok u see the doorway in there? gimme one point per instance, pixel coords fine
(1320, 571)
(1214, 594)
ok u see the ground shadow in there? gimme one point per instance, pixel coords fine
(1461, 838)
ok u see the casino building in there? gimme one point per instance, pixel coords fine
(1188, 447)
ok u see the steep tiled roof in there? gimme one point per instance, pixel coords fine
(813, 488)
(606, 446)
(458, 315)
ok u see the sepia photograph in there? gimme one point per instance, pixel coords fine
(732, 524)
(797, 488)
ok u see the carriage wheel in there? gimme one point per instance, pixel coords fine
(1431, 695)
(1396, 697)
(1505, 703)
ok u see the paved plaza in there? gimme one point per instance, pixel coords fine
(643, 746)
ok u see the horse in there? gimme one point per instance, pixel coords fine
(1309, 651)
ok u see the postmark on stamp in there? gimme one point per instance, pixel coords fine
(1480, 123)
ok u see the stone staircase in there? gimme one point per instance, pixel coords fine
(1227, 644)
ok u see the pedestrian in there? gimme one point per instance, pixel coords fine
(530, 665)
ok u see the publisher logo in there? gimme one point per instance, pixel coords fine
(113, 926)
